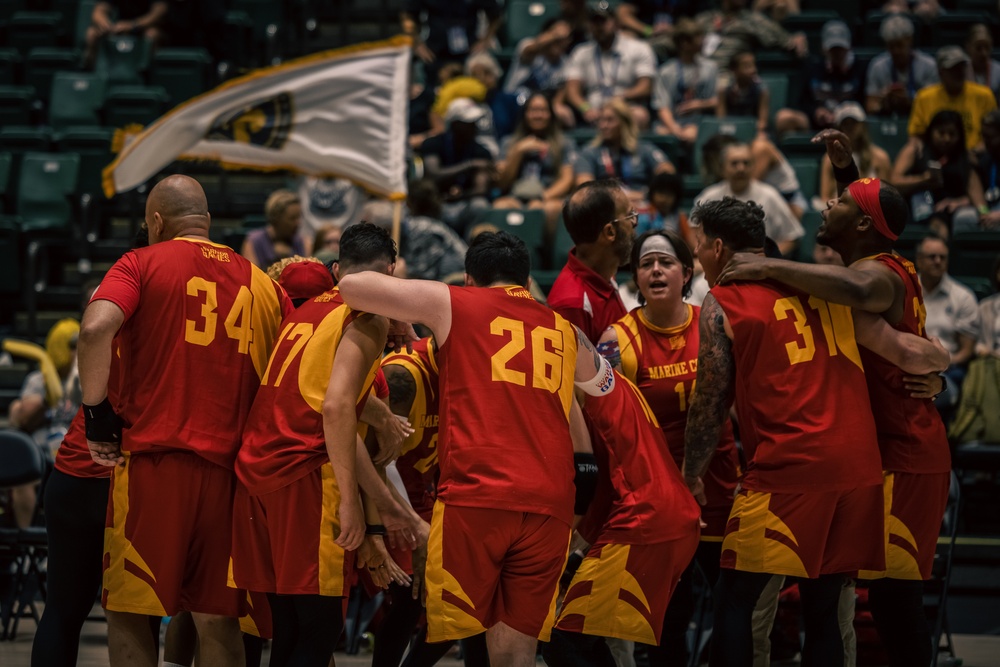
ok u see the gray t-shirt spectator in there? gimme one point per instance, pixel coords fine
(634, 169)
(882, 73)
(433, 251)
(779, 222)
(951, 309)
(608, 74)
(676, 82)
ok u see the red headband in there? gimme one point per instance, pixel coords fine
(865, 192)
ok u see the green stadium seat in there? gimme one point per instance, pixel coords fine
(906, 244)
(48, 182)
(973, 253)
(10, 261)
(777, 87)
(811, 23)
(255, 221)
(237, 40)
(16, 103)
(581, 136)
(28, 30)
(182, 73)
(807, 171)
(67, 10)
(557, 259)
(42, 64)
(872, 23)
(93, 145)
(889, 134)
(81, 22)
(126, 105)
(978, 284)
(19, 140)
(952, 27)
(269, 22)
(8, 8)
(800, 145)
(6, 161)
(9, 60)
(527, 225)
(667, 143)
(77, 99)
(525, 18)
(811, 221)
(123, 59)
(742, 128)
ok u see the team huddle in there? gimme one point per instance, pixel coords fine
(519, 474)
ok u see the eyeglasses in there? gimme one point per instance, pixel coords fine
(934, 256)
(634, 215)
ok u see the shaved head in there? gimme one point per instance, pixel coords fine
(176, 206)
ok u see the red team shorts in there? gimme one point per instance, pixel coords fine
(805, 534)
(164, 550)
(622, 590)
(283, 541)
(257, 620)
(489, 566)
(913, 508)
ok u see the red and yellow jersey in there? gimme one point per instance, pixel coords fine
(804, 413)
(200, 322)
(506, 387)
(663, 363)
(283, 440)
(911, 435)
(418, 462)
(650, 502)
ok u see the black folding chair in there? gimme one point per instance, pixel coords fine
(21, 462)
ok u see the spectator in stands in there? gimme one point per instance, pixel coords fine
(328, 201)
(664, 212)
(894, 77)
(779, 221)
(872, 161)
(479, 84)
(326, 244)
(989, 317)
(617, 152)
(778, 10)
(685, 87)
(734, 28)
(452, 29)
(769, 165)
(955, 93)
(653, 21)
(924, 9)
(835, 78)
(935, 172)
(745, 94)
(983, 68)
(538, 66)
(987, 162)
(952, 313)
(610, 65)
(280, 237)
(460, 165)
(536, 166)
(142, 18)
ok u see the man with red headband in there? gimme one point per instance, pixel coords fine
(861, 225)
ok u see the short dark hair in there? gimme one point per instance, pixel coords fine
(585, 215)
(424, 198)
(684, 256)
(666, 182)
(919, 248)
(895, 209)
(498, 257)
(739, 224)
(364, 243)
(734, 60)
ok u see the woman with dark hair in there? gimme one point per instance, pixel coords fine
(936, 172)
(656, 347)
(536, 170)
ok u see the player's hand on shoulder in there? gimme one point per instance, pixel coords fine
(391, 435)
(401, 334)
(745, 266)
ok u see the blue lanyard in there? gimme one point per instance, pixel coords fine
(607, 89)
(911, 80)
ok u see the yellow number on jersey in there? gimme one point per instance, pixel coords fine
(796, 354)
(685, 399)
(237, 322)
(836, 322)
(301, 332)
(546, 360)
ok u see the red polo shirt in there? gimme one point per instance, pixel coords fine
(586, 298)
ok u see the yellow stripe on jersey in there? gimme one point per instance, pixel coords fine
(266, 316)
(317, 359)
(629, 344)
(445, 620)
(570, 350)
(755, 552)
(330, 556)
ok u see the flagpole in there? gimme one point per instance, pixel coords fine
(397, 220)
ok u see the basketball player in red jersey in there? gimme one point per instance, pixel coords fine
(195, 323)
(861, 226)
(813, 484)
(501, 522)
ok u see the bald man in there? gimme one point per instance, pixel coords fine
(195, 324)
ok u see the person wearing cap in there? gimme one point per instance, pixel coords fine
(684, 89)
(983, 68)
(895, 76)
(835, 78)
(610, 65)
(871, 160)
(460, 164)
(882, 287)
(955, 93)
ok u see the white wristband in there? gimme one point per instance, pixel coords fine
(602, 383)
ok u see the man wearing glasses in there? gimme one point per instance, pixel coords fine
(601, 221)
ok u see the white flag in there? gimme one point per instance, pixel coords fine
(340, 113)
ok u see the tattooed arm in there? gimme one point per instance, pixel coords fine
(609, 349)
(712, 397)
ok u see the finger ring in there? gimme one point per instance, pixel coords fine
(381, 565)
